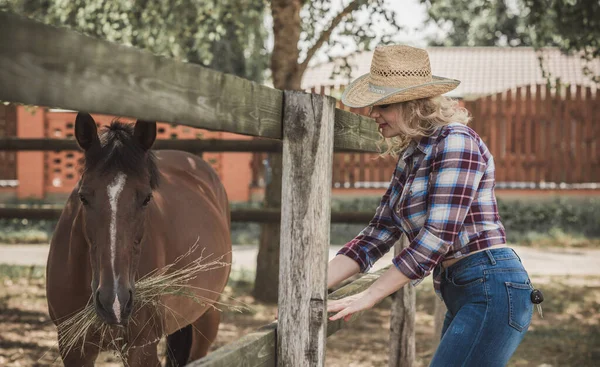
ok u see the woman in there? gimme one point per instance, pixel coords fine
(441, 197)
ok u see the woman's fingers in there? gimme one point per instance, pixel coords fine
(346, 313)
(335, 306)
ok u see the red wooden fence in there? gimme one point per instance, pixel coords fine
(539, 135)
(535, 134)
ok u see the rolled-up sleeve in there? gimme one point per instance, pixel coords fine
(378, 237)
(456, 171)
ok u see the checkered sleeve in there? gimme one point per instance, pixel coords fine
(378, 237)
(456, 171)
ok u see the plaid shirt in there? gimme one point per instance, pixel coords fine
(444, 203)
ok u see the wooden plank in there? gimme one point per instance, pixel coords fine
(362, 167)
(500, 137)
(57, 67)
(258, 347)
(490, 118)
(263, 215)
(355, 132)
(517, 137)
(541, 136)
(402, 321)
(588, 135)
(509, 138)
(306, 179)
(559, 152)
(254, 349)
(188, 145)
(336, 169)
(549, 144)
(566, 139)
(595, 153)
(579, 145)
(528, 159)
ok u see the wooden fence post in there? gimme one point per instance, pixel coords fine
(439, 315)
(308, 122)
(402, 323)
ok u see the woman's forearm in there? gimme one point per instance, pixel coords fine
(341, 268)
(388, 283)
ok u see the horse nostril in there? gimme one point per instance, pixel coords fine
(129, 304)
(99, 302)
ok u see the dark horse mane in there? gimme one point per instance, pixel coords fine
(120, 151)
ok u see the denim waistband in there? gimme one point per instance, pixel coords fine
(490, 257)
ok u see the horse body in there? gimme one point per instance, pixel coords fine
(189, 207)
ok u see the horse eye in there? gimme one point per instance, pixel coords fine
(147, 200)
(83, 199)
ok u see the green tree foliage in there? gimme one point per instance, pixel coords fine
(212, 33)
(571, 25)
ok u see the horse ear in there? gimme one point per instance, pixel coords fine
(86, 132)
(145, 133)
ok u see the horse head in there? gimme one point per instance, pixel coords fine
(118, 178)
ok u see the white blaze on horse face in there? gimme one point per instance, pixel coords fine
(114, 191)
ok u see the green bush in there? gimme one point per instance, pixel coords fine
(26, 231)
(571, 216)
(560, 221)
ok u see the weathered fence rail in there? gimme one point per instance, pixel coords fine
(49, 66)
(264, 215)
(189, 145)
(258, 348)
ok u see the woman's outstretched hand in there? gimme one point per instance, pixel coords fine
(347, 306)
(389, 282)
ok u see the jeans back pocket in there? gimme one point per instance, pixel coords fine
(520, 307)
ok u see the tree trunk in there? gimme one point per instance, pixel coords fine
(267, 262)
(286, 76)
(438, 318)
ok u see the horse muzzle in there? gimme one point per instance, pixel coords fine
(112, 305)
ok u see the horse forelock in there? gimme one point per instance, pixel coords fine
(119, 151)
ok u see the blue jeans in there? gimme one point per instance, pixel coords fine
(489, 309)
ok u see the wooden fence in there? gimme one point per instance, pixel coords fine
(536, 134)
(47, 66)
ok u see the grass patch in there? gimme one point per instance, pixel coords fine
(15, 272)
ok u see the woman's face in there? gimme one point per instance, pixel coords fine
(389, 118)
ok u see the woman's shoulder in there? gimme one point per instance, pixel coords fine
(458, 137)
(457, 128)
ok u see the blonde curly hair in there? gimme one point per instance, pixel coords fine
(422, 117)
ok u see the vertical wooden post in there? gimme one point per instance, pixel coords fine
(439, 315)
(402, 323)
(305, 219)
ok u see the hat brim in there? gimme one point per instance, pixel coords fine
(358, 95)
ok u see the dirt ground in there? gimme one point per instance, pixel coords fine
(568, 335)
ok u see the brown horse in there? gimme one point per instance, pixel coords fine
(132, 212)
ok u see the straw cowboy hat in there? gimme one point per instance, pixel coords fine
(398, 74)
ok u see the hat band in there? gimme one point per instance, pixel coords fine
(379, 89)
